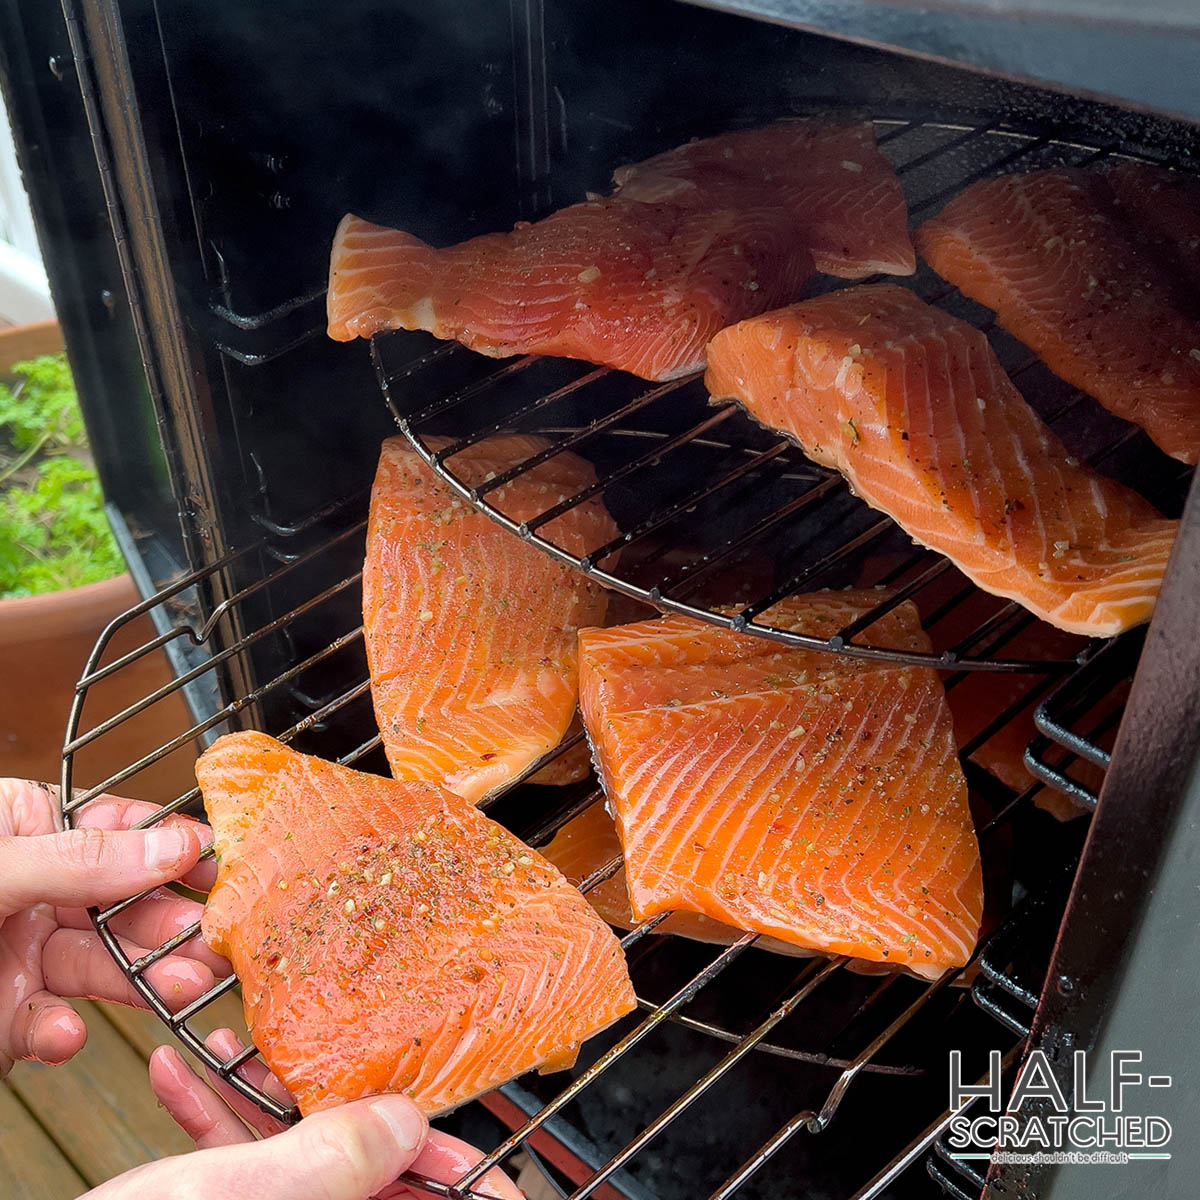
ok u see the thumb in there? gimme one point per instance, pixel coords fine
(92, 866)
(346, 1153)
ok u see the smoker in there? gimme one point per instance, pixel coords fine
(188, 164)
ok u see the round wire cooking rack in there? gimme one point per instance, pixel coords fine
(882, 1008)
(876, 1011)
(672, 469)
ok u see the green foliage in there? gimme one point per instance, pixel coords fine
(53, 532)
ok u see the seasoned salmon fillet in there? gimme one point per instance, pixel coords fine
(470, 632)
(640, 280)
(837, 184)
(912, 406)
(812, 798)
(1052, 255)
(589, 842)
(389, 937)
(1165, 205)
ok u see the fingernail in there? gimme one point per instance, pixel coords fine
(406, 1122)
(165, 847)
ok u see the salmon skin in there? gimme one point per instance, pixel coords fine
(470, 632)
(1051, 254)
(389, 937)
(913, 408)
(640, 280)
(812, 798)
(1166, 205)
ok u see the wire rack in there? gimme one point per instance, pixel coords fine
(872, 1013)
(676, 469)
(762, 523)
(1081, 716)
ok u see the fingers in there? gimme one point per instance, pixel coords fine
(76, 963)
(195, 1108)
(46, 1029)
(447, 1159)
(346, 1153)
(226, 1044)
(28, 808)
(112, 812)
(153, 921)
(92, 866)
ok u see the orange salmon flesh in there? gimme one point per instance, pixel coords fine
(390, 938)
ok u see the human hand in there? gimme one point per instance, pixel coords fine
(48, 949)
(325, 1157)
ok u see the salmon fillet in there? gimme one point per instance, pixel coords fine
(470, 632)
(389, 937)
(1051, 254)
(913, 408)
(589, 842)
(1166, 205)
(571, 766)
(812, 798)
(641, 280)
(832, 177)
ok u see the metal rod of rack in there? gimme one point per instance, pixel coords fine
(721, 432)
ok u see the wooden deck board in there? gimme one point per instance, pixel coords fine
(143, 1030)
(31, 1165)
(98, 1108)
(65, 1129)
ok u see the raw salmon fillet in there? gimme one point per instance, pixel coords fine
(389, 937)
(1166, 205)
(589, 842)
(1052, 255)
(641, 280)
(470, 632)
(913, 408)
(833, 178)
(813, 798)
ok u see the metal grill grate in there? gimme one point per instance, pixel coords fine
(763, 514)
(677, 470)
(1080, 717)
(873, 1012)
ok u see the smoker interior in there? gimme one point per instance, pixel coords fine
(260, 125)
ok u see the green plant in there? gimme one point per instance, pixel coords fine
(53, 532)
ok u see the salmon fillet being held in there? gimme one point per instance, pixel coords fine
(1052, 255)
(913, 408)
(812, 798)
(641, 280)
(389, 937)
(470, 632)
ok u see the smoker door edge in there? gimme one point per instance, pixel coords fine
(1145, 55)
(1124, 974)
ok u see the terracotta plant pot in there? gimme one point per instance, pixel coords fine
(19, 343)
(44, 643)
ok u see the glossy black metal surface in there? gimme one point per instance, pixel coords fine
(1122, 975)
(451, 121)
(1146, 55)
